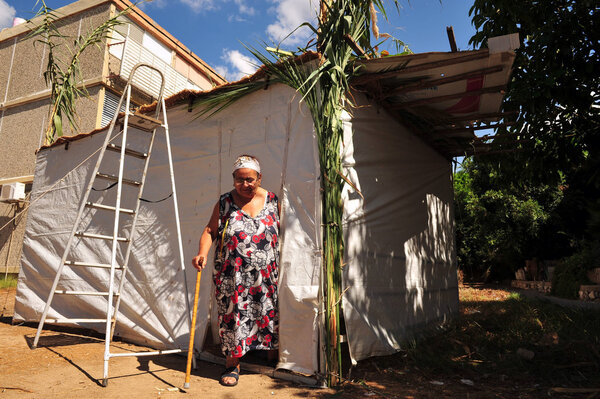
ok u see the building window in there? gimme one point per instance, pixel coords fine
(109, 107)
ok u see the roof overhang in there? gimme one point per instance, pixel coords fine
(443, 97)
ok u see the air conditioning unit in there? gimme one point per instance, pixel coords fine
(13, 192)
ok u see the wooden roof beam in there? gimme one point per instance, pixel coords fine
(355, 46)
(469, 129)
(369, 77)
(451, 39)
(445, 80)
(485, 90)
(474, 117)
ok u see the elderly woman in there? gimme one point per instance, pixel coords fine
(245, 224)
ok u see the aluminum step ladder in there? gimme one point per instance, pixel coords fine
(148, 125)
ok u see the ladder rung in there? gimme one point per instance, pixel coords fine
(100, 236)
(142, 122)
(48, 321)
(84, 264)
(88, 293)
(109, 208)
(133, 153)
(116, 178)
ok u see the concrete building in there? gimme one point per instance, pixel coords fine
(25, 97)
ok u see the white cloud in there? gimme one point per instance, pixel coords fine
(7, 14)
(221, 70)
(243, 8)
(290, 15)
(154, 3)
(238, 65)
(236, 18)
(199, 5)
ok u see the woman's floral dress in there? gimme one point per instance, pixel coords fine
(245, 276)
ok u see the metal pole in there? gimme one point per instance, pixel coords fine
(176, 209)
(113, 257)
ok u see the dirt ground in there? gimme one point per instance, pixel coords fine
(68, 363)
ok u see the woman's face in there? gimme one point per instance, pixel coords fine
(246, 181)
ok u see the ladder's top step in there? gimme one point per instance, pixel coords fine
(142, 122)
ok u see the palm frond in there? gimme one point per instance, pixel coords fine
(65, 77)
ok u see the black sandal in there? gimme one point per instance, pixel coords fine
(233, 372)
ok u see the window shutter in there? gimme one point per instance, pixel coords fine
(111, 101)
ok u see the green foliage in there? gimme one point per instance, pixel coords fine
(555, 79)
(572, 271)
(556, 135)
(65, 77)
(499, 223)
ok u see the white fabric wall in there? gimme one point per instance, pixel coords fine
(401, 269)
(269, 124)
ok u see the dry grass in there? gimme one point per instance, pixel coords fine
(501, 343)
(9, 282)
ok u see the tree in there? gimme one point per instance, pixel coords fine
(499, 225)
(555, 84)
(556, 159)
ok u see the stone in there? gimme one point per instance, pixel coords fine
(525, 353)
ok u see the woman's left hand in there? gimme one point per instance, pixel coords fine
(199, 262)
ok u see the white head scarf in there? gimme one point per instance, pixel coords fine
(246, 162)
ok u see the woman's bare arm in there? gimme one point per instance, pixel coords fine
(206, 239)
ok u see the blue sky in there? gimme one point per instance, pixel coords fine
(216, 29)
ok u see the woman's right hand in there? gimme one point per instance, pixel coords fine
(199, 262)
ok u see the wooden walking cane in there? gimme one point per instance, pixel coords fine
(188, 369)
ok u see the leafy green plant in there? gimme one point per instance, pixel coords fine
(500, 223)
(553, 140)
(572, 271)
(65, 77)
